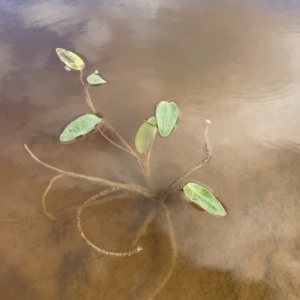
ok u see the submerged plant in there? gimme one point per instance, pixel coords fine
(164, 121)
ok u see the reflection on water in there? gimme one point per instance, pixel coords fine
(233, 62)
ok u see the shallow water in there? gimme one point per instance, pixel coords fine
(235, 63)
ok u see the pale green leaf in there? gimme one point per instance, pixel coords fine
(78, 127)
(95, 79)
(204, 198)
(145, 136)
(166, 115)
(152, 121)
(71, 59)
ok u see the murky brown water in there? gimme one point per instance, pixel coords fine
(234, 62)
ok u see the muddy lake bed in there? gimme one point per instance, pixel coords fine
(235, 63)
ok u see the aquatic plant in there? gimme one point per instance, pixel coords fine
(164, 121)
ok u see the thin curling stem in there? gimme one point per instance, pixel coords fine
(203, 162)
(144, 226)
(93, 198)
(49, 215)
(101, 181)
(87, 94)
(174, 251)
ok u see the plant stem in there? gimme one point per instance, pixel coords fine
(203, 163)
(130, 152)
(129, 187)
(122, 140)
(147, 171)
(49, 215)
(148, 160)
(91, 105)
(174, 251)
(93, 198)
(144, 165)
(144, 226)
(87, 94)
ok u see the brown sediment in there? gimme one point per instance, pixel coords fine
(234, 62)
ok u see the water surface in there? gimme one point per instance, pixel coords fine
(234, 62)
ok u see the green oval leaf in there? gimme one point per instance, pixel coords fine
(78, 127)
(71, 59)
(166, 115)
(204, 198)
(95, 79)
(145, 136)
